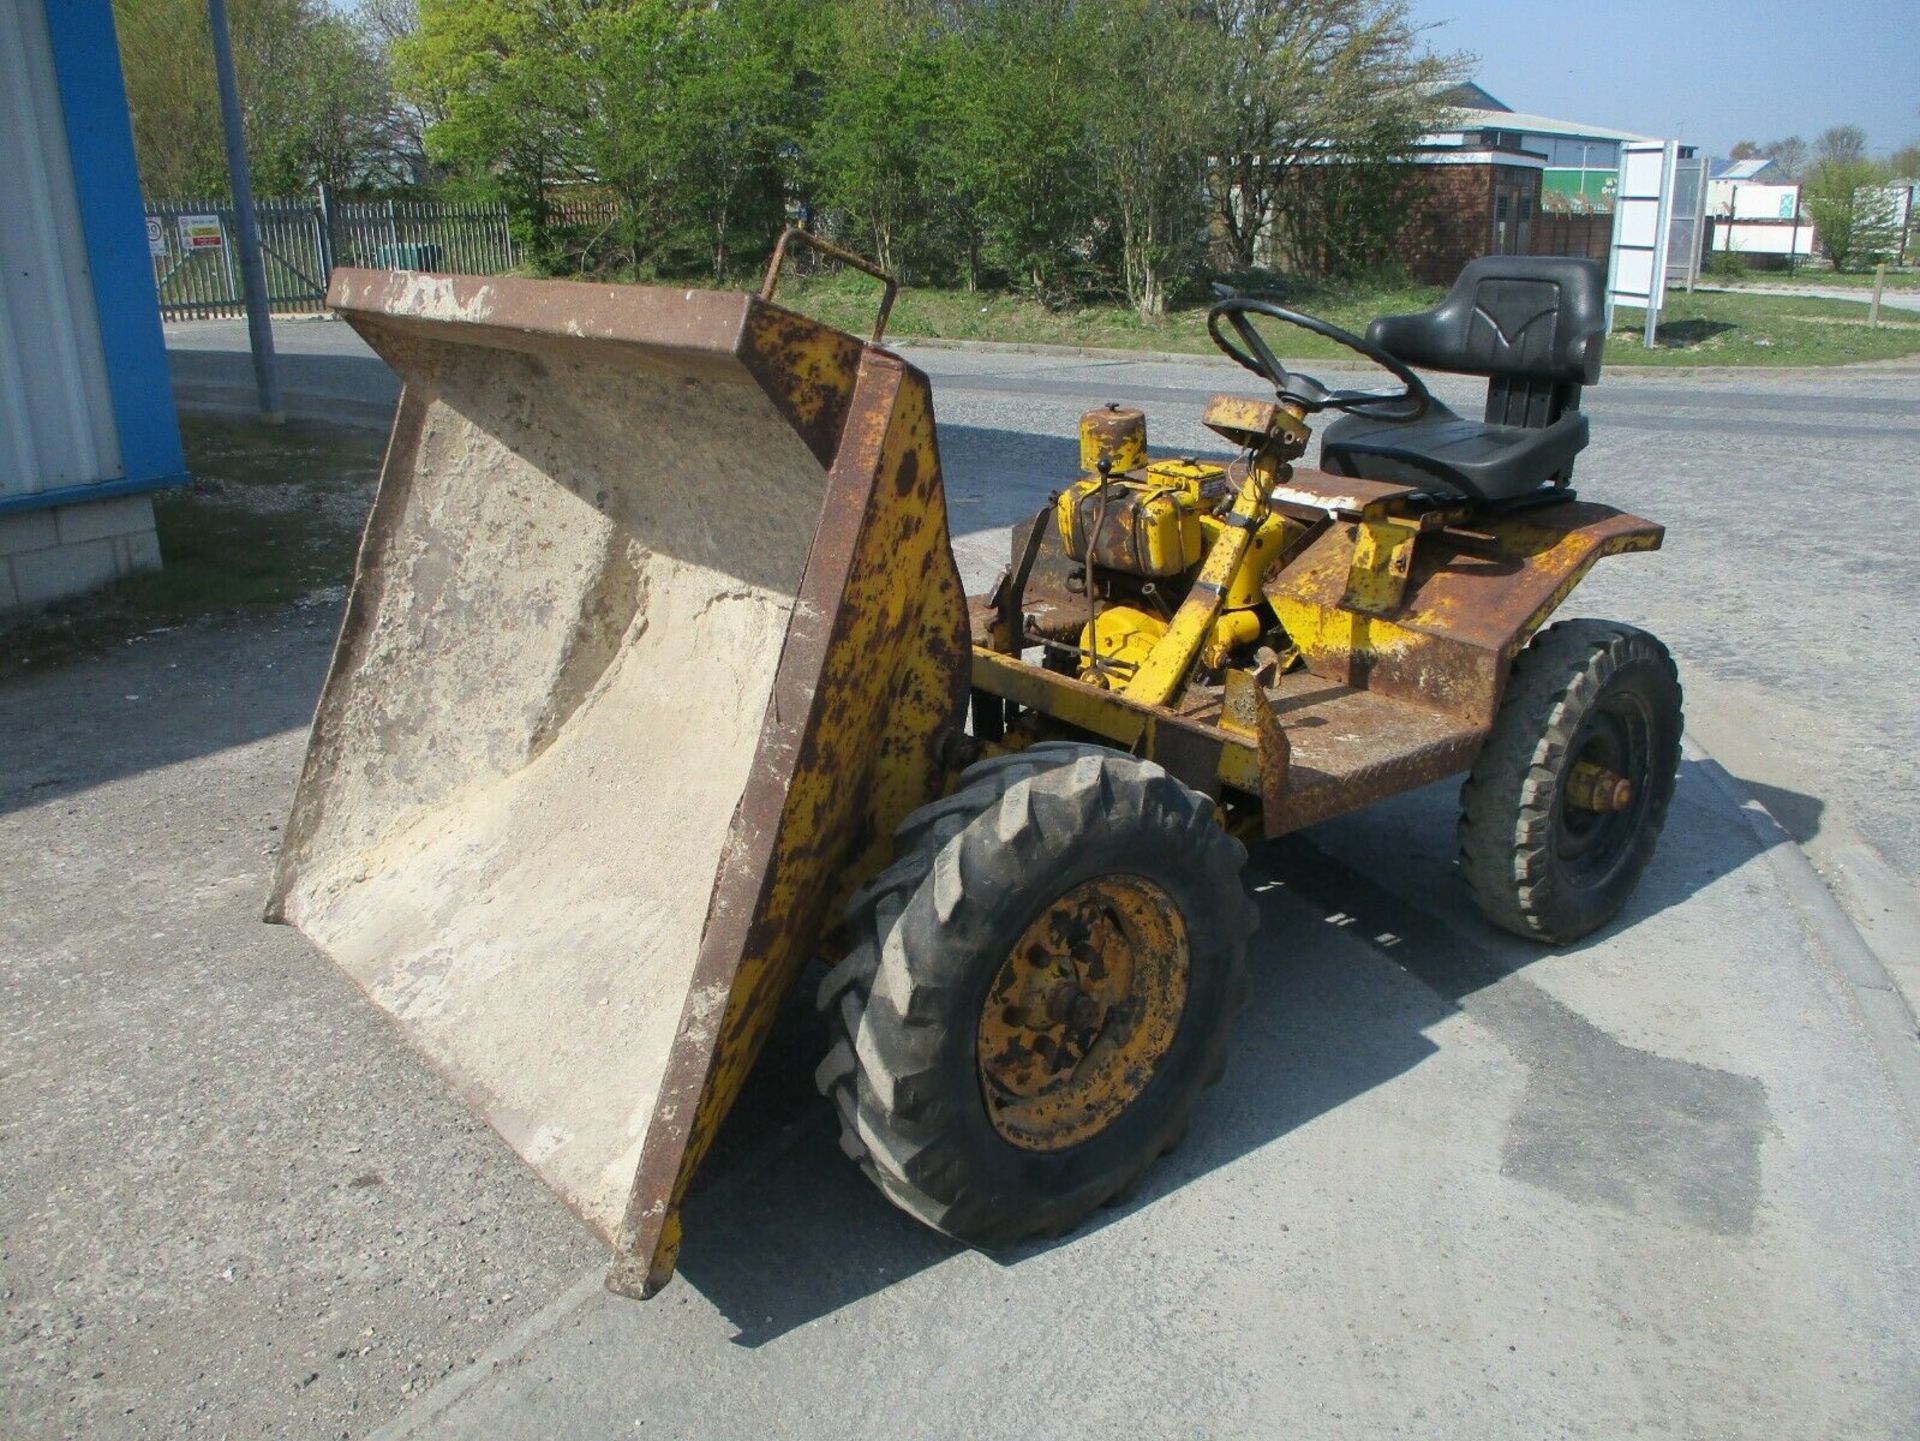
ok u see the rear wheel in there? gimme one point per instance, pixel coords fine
(1565, 804)
(1039, 991)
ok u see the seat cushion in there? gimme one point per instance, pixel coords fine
(1447, 453)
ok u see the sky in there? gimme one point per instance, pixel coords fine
(1704, 72)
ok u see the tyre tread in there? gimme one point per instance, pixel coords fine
(884, 1005)
(1506, 826)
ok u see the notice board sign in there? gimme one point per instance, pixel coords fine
(201, 232)
(1642, 221)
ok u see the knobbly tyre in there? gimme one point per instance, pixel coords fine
(657, 679)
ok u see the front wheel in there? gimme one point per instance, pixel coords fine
(1565, 804)
(1039, 990)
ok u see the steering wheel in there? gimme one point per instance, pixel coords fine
(1408, 403)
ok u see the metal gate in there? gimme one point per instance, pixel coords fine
(197, 271)
(1686, 221)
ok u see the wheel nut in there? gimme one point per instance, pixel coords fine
(1060, 1001)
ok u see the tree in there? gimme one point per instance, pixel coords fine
(1066, 146)
(878, 149)
(1022, 107)
(314, 93)
(1904, 163)
(1841, 144)
(506, 90)
(330, 121)
(1150, 132)
(387, 25)
(737, 104)
(1745, 150)
(687, 115)
(1789, 156)
(1851, 211)
(1309, 87)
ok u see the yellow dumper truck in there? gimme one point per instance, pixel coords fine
(657, 681)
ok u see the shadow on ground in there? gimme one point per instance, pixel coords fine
(995, 478)
(1798, 814)
(1692, 332)
(161, 699)
(1349, 978)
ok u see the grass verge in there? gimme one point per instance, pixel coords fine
(1818, 275)
(848, 302)
(1704, 328)
(1725, 328)
(273, 515)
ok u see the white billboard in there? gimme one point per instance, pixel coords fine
(1642, 220)
(1766, 202)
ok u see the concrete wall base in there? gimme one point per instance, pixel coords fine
(50, 555)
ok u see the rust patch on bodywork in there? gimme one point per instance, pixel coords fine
(1473, 595)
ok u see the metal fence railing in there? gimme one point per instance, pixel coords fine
(197, 271)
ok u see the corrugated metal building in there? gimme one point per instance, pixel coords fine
(87, 427)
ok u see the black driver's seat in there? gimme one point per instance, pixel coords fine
(1534, 326)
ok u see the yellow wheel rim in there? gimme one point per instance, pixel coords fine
(1082, 1011)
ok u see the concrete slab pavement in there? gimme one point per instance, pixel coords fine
(1450, 1186)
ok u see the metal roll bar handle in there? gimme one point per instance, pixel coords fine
(845, 257)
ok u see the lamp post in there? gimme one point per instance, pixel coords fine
(253, 270)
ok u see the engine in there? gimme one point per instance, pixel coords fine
(1139, 528)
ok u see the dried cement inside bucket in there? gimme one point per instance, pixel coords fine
(544, 735)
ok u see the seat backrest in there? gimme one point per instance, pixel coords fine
(1533, 325)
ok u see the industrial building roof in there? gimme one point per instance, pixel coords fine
(1538, 125)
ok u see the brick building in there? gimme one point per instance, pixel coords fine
(1500, 182)
(1467, 203)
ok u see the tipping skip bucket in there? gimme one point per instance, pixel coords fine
(655, 636)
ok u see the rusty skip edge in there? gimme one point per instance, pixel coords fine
(802, 364)
(869, 695)
(566, 310)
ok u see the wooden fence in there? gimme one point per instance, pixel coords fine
(1587, 234)
(196, 264)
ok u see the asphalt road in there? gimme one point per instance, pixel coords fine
(1660, 1183)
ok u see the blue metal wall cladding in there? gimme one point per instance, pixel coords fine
(86, 57)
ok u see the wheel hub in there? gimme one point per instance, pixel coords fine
(1604, 790)
(1082, 1011)
(1595, 788)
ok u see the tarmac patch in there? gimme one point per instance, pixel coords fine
(1599, 1122)
(1604, 1123)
